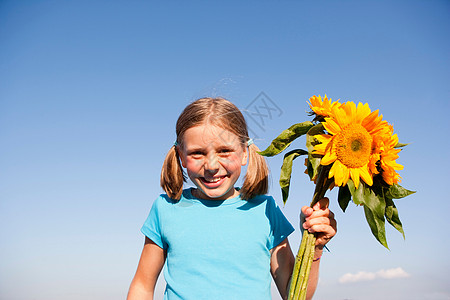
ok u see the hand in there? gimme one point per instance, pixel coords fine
(320, 220)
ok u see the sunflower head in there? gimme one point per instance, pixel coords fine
(358, 144)
(353, 146)
(387, 154)
(322, 107)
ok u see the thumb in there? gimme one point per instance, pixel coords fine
(322, 204)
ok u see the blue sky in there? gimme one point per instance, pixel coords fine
(90, 92)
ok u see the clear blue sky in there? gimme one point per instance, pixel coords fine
(90, 92)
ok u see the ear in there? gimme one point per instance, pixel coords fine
(181, 155)
(245, 156)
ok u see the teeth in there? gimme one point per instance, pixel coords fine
(213, 180)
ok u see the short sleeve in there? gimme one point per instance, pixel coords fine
(152, 225)
(280, 227)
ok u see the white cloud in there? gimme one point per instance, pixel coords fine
(366, 276)
(392, 273)
(360, 276)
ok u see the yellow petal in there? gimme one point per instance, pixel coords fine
(362, 111)
(397, 166)
(324, 146)
(340, 173)
(323, 138)
(346, 176)
(332, 172)
(341, 115)
(328, 158)
(369, 121)
(331, 126)
(388, 178)
(350, 110)
(364, 173)
(354, 173)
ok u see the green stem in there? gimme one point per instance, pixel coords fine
(303, 269)
(322, 184)
(305, 255)
(298, 262)
(308, 263)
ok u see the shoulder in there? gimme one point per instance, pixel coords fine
(272, 210)
(163, 200)
(263, 199)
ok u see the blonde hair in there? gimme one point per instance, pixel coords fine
(223, 113)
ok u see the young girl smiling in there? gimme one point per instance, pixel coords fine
(217, 241)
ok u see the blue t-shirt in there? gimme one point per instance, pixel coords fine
(217, 249)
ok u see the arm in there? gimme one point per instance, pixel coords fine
(150, 265)
(281, 265)
(314, 274)
(318, 219)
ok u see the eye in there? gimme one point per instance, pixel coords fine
(196, 154)
(225, 151)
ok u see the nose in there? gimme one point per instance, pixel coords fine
(212, 162)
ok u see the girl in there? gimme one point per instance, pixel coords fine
(217, 241)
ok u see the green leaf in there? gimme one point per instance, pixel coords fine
(392, 217)
(344, 197)
(376, 226)
(286, 171)
(313, 160)
(286, 137)
(396, 191)
(400, 145)
(357, 194)
(374, 209)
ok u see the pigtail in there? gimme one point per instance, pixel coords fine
(256, 181)
(172, 175)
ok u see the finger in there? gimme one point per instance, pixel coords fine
(333, 224)
(317, 221)
(330, 215)
(307, 211)
(324, 233)
(321, 213)
(322, 204)
(322, 230)
(320, 221)
(320, 225)
(322, 239)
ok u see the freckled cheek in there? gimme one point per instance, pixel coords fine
(230, 162)
(194, 164)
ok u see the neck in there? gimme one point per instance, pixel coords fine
(198, 194)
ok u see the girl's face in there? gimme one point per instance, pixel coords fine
(213, 158)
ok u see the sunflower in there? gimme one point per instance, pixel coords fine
(384, 156)
(321, 107)
(348, 146)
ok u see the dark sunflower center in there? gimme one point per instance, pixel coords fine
(353, 146)
(356, 145)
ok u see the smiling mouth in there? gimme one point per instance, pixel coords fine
(212, 180)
